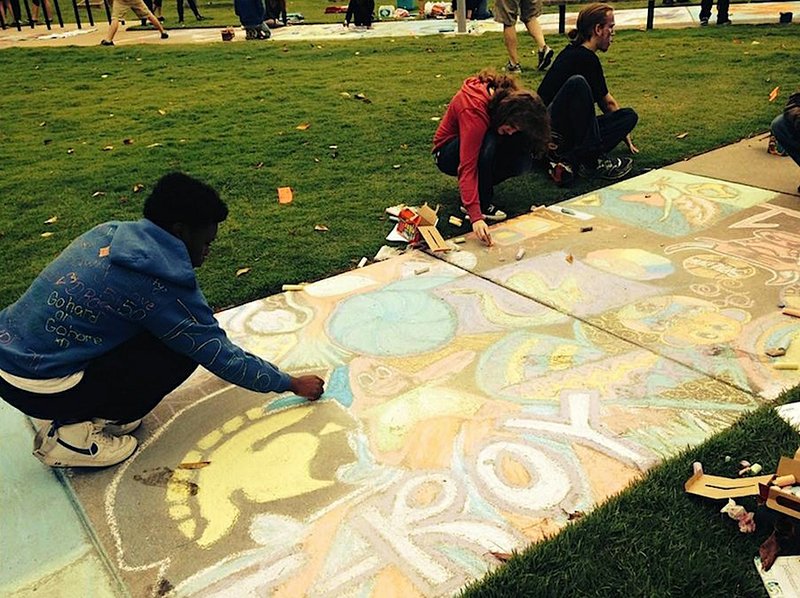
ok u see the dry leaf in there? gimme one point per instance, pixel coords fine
(108, 148)
(241, 271)
(47, 234)
(48, 141)
(303, 126)
(681, 135)
(569, 258)
(773, 95)
(162, 112)
(194, 465)
(70, 151)
(501, 556)
(155, 145)
(52, 220)
(259, 165)
(285, 195)
(43, 123)
(575, 515)
(395, 166)
(128, 141)
(435, 118)
(138, 187)
(404, 146)
(344, 94)
(98, 193)
(321, 228)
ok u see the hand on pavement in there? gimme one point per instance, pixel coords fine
(310, 387)
(481, 230)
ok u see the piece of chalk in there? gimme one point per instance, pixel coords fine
(697, 467)
(756, 468)
(422, 270)
(784, 480)
(455, 221)
(776, 352)
(785, 365)
(520, 253)
(293, 287)
(586, 229)
(362, 263)
(790, 311)
(459, 240)
(567, 211)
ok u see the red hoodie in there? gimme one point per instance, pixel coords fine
(467, 118)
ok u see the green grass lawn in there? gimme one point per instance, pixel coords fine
(228, 113)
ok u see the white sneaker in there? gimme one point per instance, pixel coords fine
(84, 444)
(491, 214)
(115, 428)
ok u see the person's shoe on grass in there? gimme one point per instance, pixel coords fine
(607, 168)
(490, 214)
(545, 58)
(513, 68)
(164, 35)
(106, 42)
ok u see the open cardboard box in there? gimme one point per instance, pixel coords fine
(777, 499)
(418, 225)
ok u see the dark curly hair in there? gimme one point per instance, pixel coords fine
(177, 197)
(521, 108)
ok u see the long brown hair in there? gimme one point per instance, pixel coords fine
(592, 15)
(521, 108)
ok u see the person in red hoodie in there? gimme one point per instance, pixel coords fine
(491, 131)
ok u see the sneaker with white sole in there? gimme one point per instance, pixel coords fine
(513, 68)
(607, 168)
(491, 213)
(115, 428)
(84, 444)
(545, 56)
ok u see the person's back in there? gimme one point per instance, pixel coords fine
(573, 60)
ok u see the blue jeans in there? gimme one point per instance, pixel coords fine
(787, 136)
(583, 136)
(501, 157)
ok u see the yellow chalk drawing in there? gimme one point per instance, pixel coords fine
(496, 315)
(566, 295)
(239, 457)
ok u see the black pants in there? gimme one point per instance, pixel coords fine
(722, 10)
(501, 157)
(192, 5)
(583, 136)
(123, 385)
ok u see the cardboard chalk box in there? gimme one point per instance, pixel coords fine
(779, 499)
(419, 225)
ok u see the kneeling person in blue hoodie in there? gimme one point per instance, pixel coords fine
(116, 322)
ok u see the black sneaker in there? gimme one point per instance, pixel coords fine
(607, 168)
(545, 58)
(561, 173)
(105, 42)
(704, 22)
(490, 214)
(724, 23)
(164, 35)
(513, 69)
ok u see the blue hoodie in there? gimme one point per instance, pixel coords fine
(110, 284)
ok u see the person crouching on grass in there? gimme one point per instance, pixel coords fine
(116, 322)
(492, 130)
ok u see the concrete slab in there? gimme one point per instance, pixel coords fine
(46, 550)
(690, 267)
(460, 418)
(747, 162)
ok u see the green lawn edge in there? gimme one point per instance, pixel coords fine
(653, 539)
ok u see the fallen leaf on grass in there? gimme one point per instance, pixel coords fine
(396, 166)
(194, 465)
(242, 271)
(98, 193)
(755, 43)
(363, 98)
(320, 228)
(162, 112)
(155, 145)
(303, 126)
(501, 556)
(259, 165)
(773, 95)
(48, 141)
(70, 151)
(47, 234)
(681, 135)
(52, 220)
(108, 148)
(285, 195)
(43, 123)
(138, 187)
(435, 118)
(575, 515)
(127, 141)
(344, 94)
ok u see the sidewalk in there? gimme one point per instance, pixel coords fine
(473, 402)
(672, 17)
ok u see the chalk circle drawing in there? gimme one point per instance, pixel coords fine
(632, 263)
(524, 355)
(519, 230)
(709, 265)
(394, 321)
(463, 259)
(681, 321)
